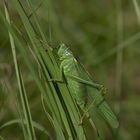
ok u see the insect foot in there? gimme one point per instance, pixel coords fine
(82, 118)
(55, 80)
(103, 90)
(51, 80)
(81, 122)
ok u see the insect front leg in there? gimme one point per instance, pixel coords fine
(60, 78)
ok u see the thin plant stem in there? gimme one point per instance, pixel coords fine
(119, 55)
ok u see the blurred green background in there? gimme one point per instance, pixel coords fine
(105, 37)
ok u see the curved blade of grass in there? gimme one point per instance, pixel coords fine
(19, 121)
(23, 97)
(54, 123)
(13, 46)
(2, 138)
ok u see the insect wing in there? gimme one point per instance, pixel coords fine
(102, 106)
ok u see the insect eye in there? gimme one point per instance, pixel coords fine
(67, 53)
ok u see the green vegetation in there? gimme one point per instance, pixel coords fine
(103, 35)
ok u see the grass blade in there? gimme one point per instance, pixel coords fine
(23, 97)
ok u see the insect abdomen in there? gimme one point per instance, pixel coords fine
(73, 85)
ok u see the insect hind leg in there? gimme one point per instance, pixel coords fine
(87, 110)
(86, 114)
